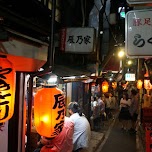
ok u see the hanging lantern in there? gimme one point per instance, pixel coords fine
(139, 84)
(105, 86)
(7, 89)
(49, 111)
(93, 84)
(147, 84)
(114, 85)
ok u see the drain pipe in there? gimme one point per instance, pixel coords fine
(50, 62)
(51, 50)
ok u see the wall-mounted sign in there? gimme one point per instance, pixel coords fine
(77, 40)
(138, 37)
(130, 77)
(139, 1)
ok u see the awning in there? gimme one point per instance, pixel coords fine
(64, 71)
(110, 63)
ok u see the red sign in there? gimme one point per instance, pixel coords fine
(63, 38)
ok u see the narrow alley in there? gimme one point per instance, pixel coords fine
(117, 140)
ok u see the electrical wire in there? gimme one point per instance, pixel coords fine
(110, 26)
(83, 12)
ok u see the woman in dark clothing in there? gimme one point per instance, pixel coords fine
(124, 115)
(134, 109)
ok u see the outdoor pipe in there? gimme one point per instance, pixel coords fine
(50, 61)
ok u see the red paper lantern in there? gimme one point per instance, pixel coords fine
(7, 89)
(49, 111)
(105, 86)
(139, 84)
(114, 84)
(147, 84)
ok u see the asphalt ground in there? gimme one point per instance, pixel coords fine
(116, 140)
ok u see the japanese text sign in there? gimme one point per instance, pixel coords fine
(77, 40)
(7, 89)
(138, 33)
(139, 1)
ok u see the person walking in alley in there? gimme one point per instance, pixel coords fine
(101, 105)
(124, 115)
(96, 113)
(82, 131)
(107, 106)
(134, 109)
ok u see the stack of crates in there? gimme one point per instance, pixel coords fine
(148, 139)
(147, 117)
(147, 125)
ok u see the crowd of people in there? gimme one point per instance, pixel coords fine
(102, 107)
(76, 132)
(126, 102)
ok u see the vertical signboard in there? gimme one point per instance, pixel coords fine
(138, 33)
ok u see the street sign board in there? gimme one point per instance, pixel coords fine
(79, 40)
(139, 1)
(138, 33)
(130, 77)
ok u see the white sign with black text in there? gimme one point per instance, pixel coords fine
(130, 76)
(77, 40)
(138, 33)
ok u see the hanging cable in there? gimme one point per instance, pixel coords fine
(83, 13)
(110, 26)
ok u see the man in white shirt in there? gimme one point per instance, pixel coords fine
(82, 131)
(101, 105)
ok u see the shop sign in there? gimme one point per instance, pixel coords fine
(130, 77)
(138, 33)
(77, 40)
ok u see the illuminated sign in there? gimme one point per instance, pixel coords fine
(7, 89)
(130, 77)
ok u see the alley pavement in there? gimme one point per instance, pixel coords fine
(98, 135)
(110, 137)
